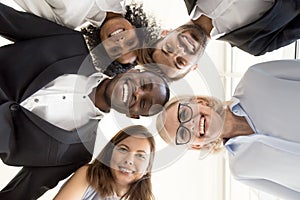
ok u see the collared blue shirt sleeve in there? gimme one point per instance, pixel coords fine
(267, 163)
(269, 160)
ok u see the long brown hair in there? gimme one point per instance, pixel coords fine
(99, 173)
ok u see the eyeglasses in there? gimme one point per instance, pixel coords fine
(184, 115)
(183, 134)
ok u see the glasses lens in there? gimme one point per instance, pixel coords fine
(183, 135)
(185, 113)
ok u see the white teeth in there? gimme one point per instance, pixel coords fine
(202, 124)
(125, 93)
(116, 32)
(188, 43)
(122, 169)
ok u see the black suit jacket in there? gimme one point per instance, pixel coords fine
(278, 27)
(42, 51)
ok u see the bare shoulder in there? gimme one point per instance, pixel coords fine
(75, 187)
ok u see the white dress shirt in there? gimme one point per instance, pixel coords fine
(268, 96)
(73, 13)
(65, 102)
(228, 15)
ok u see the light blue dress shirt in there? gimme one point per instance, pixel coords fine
(269, 97)
(91, 194)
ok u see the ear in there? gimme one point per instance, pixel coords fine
(164, 33)
(133, 116)
(194, 67)
(202, 100)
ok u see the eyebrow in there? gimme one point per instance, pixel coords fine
(140, 151)
(150, 83)
(150, 104)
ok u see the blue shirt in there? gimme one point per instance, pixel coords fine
(268, 96)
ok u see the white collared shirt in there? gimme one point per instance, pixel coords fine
(228, 15)
(73, 13)
(65, 101)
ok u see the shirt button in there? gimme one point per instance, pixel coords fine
(14, 107)
(84, 97)
(36, 100)
(63, 97)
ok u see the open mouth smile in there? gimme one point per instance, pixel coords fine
(188, 43)
(202, 126)
(126, 170)
(125, 96)
(116, 32)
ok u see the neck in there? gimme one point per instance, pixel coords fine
(121, 190)
(235, 126)
(205, 22)
(100, 96)
(110, 15)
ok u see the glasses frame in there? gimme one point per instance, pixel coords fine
(183, 122)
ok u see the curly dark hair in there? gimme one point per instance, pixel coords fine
(136, 16)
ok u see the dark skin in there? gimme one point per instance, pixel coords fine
(205, 22)
(100, 98)
(132, 93)
(112, 15)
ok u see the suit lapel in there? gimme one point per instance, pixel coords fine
(190, 4)
(83, 134)
(66, 66)
(256, 38)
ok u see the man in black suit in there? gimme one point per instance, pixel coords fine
(254, 26)
(46, 65)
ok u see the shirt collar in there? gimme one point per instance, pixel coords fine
(236, 109)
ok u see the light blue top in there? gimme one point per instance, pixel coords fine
(91, 194)
(269, 97)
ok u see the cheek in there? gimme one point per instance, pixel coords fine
(102, 35)
(116, 159)
(142, 166)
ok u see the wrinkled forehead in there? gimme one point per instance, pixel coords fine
(152, 77)
(170, 122)
(170, 117)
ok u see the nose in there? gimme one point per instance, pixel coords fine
(139, 92)
(180, 50)
(120, 39)
(129, 162)
(129, 159)
(191, 125)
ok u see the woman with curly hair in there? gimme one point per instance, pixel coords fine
(124, 45)
(122, 170)
(112, 21)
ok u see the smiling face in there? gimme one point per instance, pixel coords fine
(119, 39)
(130, 160)
(193, 122)
(136, 93)
(180, 50)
